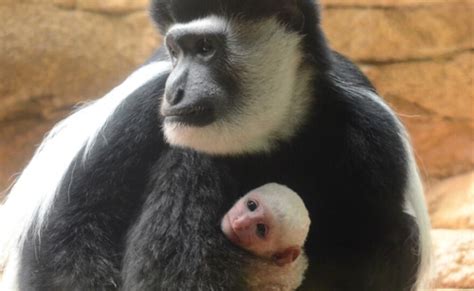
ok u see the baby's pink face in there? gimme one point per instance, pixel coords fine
(250, 225)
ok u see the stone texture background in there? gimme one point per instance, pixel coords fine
(419, 53)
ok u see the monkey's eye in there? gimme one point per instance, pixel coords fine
(261, 230)
(205, 47)
(252, 205)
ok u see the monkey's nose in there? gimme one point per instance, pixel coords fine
(175, 96)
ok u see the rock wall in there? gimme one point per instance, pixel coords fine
(451, 204)
(54, 54)
(419, 54)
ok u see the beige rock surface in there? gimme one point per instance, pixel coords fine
(451, 203)
(387, 3)
(414, 81)
(435, 100)
(67, 57)
(53, 58)
(110, 6)
(403, 33)
(419, 54)
(454, 258)
(101, 6)
(65, 3)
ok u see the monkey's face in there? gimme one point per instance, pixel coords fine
(251, 224)
(234, 86)
(257, 223)
(200, 87)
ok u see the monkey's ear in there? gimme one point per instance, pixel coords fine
(286, 256)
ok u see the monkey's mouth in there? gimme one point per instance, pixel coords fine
(193, 115)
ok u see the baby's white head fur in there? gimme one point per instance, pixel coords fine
(290, 210)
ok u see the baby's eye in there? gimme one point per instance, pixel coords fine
(252, 205)
(261, 230)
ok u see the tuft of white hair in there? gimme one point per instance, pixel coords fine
(31, 197)
(415, 205)
(289, 209)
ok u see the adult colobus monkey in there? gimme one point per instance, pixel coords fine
(128, 192)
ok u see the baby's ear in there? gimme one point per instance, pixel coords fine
(288, 255)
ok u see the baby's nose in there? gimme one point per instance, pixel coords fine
(242, 222)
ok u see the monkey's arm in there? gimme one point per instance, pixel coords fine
(176, 243)
(80, 243)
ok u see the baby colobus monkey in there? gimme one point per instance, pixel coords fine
(272, 223)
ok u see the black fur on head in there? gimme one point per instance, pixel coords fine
(167, 12)
(301, 16)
